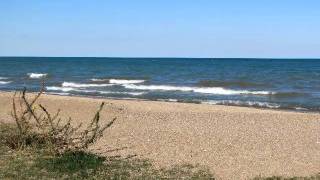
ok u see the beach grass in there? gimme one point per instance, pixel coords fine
(36, 163)
(315, 177)
(57, 150)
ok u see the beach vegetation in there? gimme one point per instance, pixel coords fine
(315, 177)
(37, 163)
(42, 145)
(35, 125)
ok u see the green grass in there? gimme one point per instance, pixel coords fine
(35, 162)
(30, 164)
(315, 177)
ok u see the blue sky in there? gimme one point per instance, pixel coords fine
(160, 28)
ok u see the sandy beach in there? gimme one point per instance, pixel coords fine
(233, 142)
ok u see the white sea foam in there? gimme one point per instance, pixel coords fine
(129, 93)
(168, 100)
(119, 81)
(124, 81)
(243, 103)
(301, 109)
(211, 90)
(64, 89)
(59, 93)
(99, 80)
(68, 89)
(5, 82)
(81, 85)
(36, 75)
(110, 92)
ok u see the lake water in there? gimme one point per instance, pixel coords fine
(267, 83)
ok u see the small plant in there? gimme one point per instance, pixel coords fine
(35, 125)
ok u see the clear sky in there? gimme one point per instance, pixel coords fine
(160, 28)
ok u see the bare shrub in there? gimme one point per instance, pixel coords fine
(35, 125)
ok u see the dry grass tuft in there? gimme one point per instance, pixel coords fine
(36, 126)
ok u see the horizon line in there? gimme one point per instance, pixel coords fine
(158, 57)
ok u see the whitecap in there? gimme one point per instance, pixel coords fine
(129, 93)
(136, 93)
(36, 75)
(5, 82)
(68, 89)
(81, 85)
(3, 78)
(110, 92)
(125, 81)
(157, 87)
(64, 89)
(301, 109)
(59, 93)
(99, 80)
(243, 103)
(211, 90)
(119, 81)
(168, 100)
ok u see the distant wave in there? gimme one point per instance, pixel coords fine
(168, 100)
(129, 93)
(301, 109)
(71, 89)
(55, 88)
(99, 80)
(5, 82)
(3, 78)
(215, 90)
(59, 93)
(82, 85)
(243, 103)
(124, 81)
(119, 81)
(36, 75)
(109, 92)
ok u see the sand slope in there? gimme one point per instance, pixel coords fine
(234, 142)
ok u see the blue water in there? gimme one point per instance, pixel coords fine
(267, 83)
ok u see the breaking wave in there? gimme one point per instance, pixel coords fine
(119, 81)
(243, 103)
(59, 93)
(81, 85)
(36, 75)
(124, 81)
(71, 89)
(128, 93)
(213, 90)
(5, 82)
(100, 80)
(55, 88)
(110, 92)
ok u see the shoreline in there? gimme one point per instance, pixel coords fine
(233, 142)
(178, 101)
